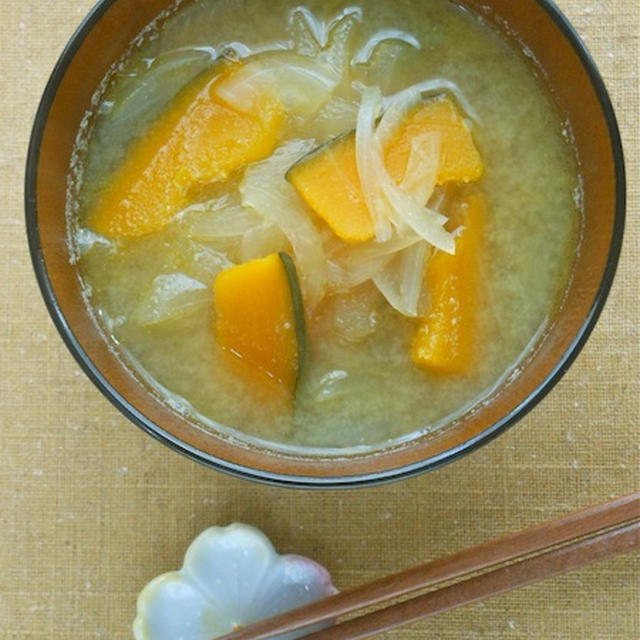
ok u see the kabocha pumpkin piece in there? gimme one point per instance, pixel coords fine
(197, 141)
(445, 340)
(327, 179)
(460, 160)
(260, 318)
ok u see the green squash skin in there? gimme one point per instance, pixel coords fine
(298, 309)
(319, 150)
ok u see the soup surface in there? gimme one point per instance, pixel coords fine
(314, 72)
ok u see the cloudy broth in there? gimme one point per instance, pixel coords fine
(359, 385)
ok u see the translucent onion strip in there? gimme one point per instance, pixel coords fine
(422, 168)
(368, 157)
(356, 314)
(424, 158)
(350, 266)
(436, 85)
(337, 55)
(336, 117)
(308, 28)
(426, 223)
(172, 296)
(363, 55)
(156, 85)
(300, 83)
(265, 189)
(395, 114)
(400, 281)
(224, 223)
(262, 241)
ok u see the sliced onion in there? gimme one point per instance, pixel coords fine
(422, 168)
(383, 68)
(357, 312)
(368, 157)
(426, 222)
(336, 117)
(165, 76)
(386, 200)
(265, 189)
(363, 55)
(300, 83)
(307, 28)
(224, 223)
(439, 198)
(350, 266)
(436, 85)
(172, 296)
(306, 31)
(336, 52)
(203, 263)
(401, 279)
(424, 160)
(209, 206)
(262, 241)
(395, 114)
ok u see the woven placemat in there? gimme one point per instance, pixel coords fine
(91, 508)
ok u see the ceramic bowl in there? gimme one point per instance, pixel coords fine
(579, 91)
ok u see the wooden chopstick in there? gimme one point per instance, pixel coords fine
(535, 539)
(566, 558)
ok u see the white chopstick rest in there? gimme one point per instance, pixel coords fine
(231, 577)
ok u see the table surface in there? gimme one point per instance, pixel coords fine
(91, 508)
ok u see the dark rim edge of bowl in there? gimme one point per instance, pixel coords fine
(291, 481)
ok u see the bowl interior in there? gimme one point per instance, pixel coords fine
(578, 90)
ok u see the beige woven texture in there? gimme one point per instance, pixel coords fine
(91, 508)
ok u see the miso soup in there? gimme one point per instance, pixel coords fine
(326, 225)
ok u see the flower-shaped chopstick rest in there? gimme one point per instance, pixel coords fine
(231, 577)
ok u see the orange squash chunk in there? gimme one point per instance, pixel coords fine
(260, 318)
(327, 179)
(445, 340)
(197, 141)
(459, 157)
